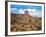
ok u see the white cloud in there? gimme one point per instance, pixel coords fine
(13, 8)
(32, 12)
(21, 11)
(36, 13)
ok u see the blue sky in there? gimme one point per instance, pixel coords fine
(26, 7)
(33, 10)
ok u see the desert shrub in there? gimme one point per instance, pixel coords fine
(19, 29)
(29, 20)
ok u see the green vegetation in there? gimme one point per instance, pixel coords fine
(26, 23)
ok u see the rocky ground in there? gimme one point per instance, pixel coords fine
(25, 23)
(24, 27)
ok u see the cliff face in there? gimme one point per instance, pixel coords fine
(22, 18)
